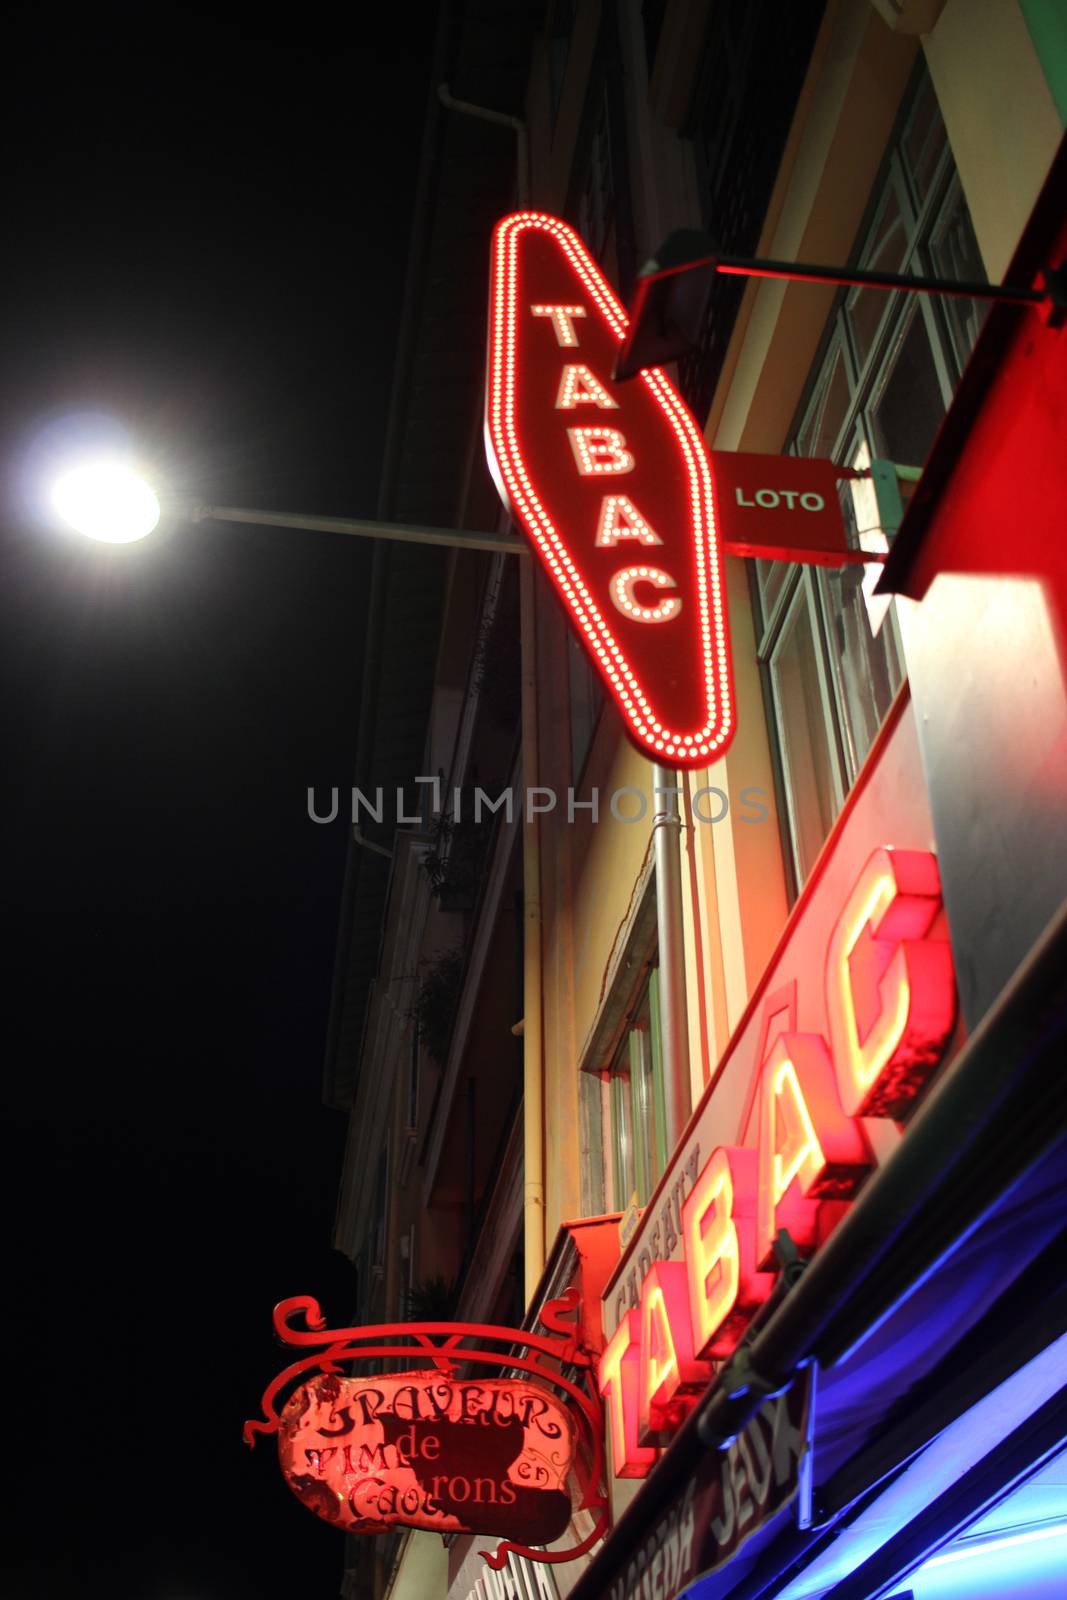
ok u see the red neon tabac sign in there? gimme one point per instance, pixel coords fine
(612, 485)
(891, 1003)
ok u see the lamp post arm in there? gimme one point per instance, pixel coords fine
(399, 532)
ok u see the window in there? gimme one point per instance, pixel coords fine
(883, 380)
(410, 1132)
(381, 1217)
(653, 16)
(752, 63)
(563, 15)
(406, 1275)
(596, 194)
(586, 698)
(411, 1112)
(633, 1110)
(599, 199)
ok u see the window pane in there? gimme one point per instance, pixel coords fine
(655, 1039)
(622, 1137)
(954, 254)
(596, 200)
(908, 404)
(817, 436)
(866, 665)
(924, 139)
(885, 251)
(594, 1200)
(773, 577)
(865, 660)
(586, 699)
(802, 723)
(647, 1138)
(634, 1089)
(819, 431)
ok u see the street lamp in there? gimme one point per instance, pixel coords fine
(106, 499)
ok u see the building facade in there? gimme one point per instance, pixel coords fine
(567, 1005)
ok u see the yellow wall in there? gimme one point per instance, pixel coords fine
(1001, 118)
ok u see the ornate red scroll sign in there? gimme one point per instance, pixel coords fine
(612, 485)
(443, 1448)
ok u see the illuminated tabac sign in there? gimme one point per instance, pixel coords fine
(890, 1003)
(489, 1456)
(612, 485)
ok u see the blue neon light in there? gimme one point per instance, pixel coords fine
(1025, 1564)
(972, 1548)
(958, 1448)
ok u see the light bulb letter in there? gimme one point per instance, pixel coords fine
(598, 450)
(581, 387)
(562, 321)
(624, 595)
(620, 519)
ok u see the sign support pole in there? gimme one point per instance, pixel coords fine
(674, 1033)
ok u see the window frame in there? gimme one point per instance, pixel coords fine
(927, 217)
(637, 1101)
(803, 594)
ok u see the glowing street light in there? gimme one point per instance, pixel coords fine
(106, 500)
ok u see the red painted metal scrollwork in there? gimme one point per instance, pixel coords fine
(549, 1357)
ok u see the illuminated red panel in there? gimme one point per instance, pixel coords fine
(421, 1450)
(890, 987)
(618, 1382)
(719, 1236)
(809, 1149)
(782, 508)
(641, 578)
(669, 1370)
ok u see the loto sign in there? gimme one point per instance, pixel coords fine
(613, 487)
(805, 1119)
(418, 1449)
(782, 508)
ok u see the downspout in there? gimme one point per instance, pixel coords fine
(533, 1051)
(532, 1040)
(467, 109)
(674, 1017)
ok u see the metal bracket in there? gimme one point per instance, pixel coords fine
(443, 1344)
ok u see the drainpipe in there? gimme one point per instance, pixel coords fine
(466, 108)
(674, 1023)
(532, 1051)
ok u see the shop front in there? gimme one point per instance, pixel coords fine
(836, 1344)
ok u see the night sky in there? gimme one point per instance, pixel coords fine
(206, 221)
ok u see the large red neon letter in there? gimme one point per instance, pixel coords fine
(890, 988)
(671, 682)
(808, 1148)
(719, 1237)
(617, 1380)
(669, 1370)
